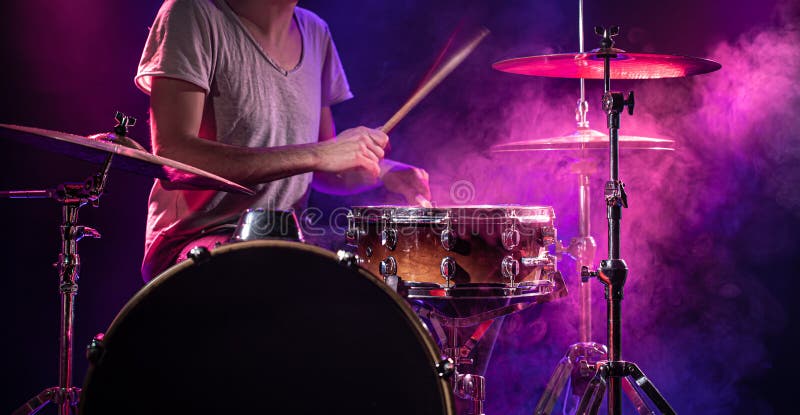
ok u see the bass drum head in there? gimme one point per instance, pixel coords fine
(263, 327)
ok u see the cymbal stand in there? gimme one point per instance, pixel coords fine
(71, 196)
(576, 368)
(613, 271)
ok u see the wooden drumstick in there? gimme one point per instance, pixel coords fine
(434, 80)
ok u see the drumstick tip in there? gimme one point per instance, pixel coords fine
(422, 201)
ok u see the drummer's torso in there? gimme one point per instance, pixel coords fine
(251, 103)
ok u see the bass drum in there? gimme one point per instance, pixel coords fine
(262, 327)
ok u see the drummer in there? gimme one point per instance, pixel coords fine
(243, 89)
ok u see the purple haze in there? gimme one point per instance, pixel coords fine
(694, 321)
(697, 312)
(710, 236)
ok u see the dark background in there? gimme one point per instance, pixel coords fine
(710, 235)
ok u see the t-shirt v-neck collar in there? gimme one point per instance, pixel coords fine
(232, 14)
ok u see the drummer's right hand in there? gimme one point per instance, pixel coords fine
(359, 148)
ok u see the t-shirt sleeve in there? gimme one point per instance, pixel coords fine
(178, 46)
(335, 88)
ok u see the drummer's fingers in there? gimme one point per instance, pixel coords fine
(378, 137)
(421, 185)
(422, 174)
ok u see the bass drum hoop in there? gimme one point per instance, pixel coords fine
(116, 328)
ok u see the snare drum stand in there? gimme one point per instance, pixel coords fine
(465, 357)
(467, 385)
(614, 271)
(71, 196)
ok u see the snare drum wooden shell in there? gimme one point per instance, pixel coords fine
(485, 237)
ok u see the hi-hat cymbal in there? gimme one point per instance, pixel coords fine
(624, 65)
(585, 139)
(129, 156)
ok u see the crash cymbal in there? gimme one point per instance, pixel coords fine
(624, 65)
(130, 156)
(585, 139)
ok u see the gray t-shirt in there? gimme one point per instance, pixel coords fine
(255, 102)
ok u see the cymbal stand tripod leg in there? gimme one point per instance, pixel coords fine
(613, 271)
(630, 375)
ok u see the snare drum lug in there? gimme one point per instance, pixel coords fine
(449, 238)
(199, 254)
(388, 267)
(509, 267)
(510, 238)
(389, 239)
(351, 237)
(448, 268)
(353, 233)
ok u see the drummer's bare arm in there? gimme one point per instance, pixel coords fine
(409, 181)
(176, 113)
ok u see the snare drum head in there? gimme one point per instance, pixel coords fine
(261, 327)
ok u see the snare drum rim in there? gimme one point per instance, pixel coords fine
(422, 335)
(544, 215)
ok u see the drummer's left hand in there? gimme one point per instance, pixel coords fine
(409, 181)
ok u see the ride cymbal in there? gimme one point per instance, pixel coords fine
(624, 65)
(130, 156)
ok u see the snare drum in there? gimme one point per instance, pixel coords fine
(265, 326)
(459, 252)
